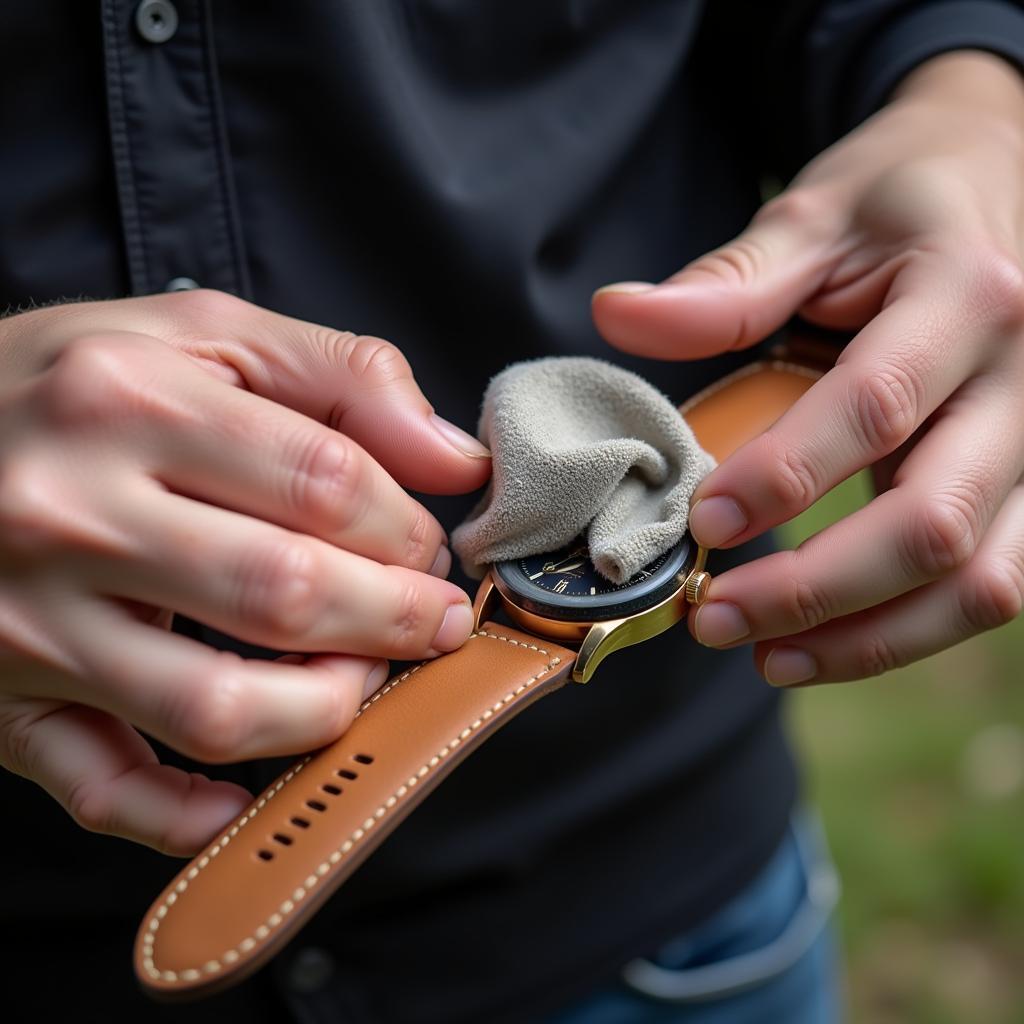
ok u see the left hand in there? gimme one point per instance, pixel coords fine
(911, 231)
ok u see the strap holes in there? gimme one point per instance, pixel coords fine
(280, 837)
(300, 822)
(333, 790)
(315, 805)
(346, 774)
(265, 855)
(363, 758)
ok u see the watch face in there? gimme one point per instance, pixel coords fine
(564, 584)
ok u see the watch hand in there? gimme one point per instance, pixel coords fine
(561, 566)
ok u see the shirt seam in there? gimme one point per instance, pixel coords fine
(124, 170)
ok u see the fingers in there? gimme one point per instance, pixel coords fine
(361, 386)
(108, 779)
(270, 586)
(211, 705)
(732, 297)
(364, 387)
(985, 593)
(237, 450)
(893, 376)
(226, 446)
(947, 492)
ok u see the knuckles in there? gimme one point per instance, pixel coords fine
(420, 544)
(282, 591)
(876, 656)
(87, 381)
(807, 605)
(944, 535)
(103, 380)
(373, 362)
(329, 484)
(17, 746)
(92, 806)
(888, 402)
(334, 490)
(284, 597)
(993, 595)
(409, 631)
(792, 482)
(29, 521)
(209, 719)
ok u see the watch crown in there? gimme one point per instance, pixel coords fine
(696, 589)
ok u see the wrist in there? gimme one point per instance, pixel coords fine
(972, 82)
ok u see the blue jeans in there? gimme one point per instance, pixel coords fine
(767, 957)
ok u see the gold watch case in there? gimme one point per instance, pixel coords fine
(597, 639)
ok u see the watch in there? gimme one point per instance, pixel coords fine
(252, 888)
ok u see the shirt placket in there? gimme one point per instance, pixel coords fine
(179, 212)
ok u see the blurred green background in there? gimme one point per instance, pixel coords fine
(919, 775)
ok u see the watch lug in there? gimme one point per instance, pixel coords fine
(603, 638)
(485, 601)
(606, 637)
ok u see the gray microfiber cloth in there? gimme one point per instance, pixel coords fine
(580, 445)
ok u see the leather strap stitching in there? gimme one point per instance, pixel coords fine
(263, 931)
(373, 698)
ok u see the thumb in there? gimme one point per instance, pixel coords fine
(364, 387)
(359, 385)
(730, 298)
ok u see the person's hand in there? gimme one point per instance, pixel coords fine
(910, 231)
(193, 453)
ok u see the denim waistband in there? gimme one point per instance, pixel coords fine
(805, 848)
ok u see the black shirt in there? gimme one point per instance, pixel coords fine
(456, 176)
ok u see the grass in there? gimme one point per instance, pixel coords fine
(919, 775)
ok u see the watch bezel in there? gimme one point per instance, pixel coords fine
(668, 579)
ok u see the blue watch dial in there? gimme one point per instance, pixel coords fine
(570, 572)
(565, 584)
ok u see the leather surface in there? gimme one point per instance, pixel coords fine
(742, 405)
(253, 887)
(233, 906)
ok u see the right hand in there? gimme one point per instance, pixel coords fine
(194, 453)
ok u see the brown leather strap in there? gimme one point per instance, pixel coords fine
(253, 887)
(745, 403)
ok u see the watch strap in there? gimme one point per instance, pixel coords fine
(743, 404)
(252, 888)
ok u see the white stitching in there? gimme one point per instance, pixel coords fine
(515, 643)
(262, 931)
(387, 689)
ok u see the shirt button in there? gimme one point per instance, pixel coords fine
(156, 20)
(180, 284)
(311, 968)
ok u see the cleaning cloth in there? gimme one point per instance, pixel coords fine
(581, 447)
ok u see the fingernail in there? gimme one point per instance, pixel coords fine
(467, 444)
(375, 680)
(442, 563)
(785, 666)
(719, 622)
(625, 288)
(714, 521)
(455, 629)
